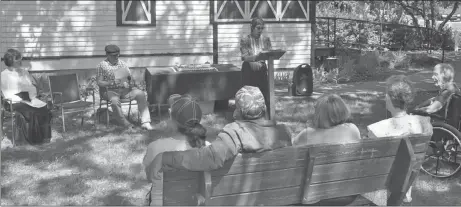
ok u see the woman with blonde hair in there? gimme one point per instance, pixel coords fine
(331, 124)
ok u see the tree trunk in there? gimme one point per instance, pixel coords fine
(433, 14)
(455, 7)
(412, 15)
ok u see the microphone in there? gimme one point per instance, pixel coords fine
(129, 80)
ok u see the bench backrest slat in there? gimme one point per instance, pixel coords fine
(245, 173)
(343, 170)
(278, 177)
(369, 148)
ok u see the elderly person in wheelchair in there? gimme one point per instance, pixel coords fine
(444, 156)
(443, 77)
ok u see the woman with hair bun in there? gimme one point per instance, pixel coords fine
(187, 132)
(184, 123)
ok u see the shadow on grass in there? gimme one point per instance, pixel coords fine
(115, 199)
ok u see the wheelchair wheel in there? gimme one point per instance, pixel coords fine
(443, 156)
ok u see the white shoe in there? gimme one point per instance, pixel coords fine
(407, 199)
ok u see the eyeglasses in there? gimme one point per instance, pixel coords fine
(259, 27)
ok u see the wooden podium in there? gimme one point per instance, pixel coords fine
(270, 56)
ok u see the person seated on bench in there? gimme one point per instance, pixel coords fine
(185, 127)
(443, 77)
(113, 74)
(249, 135)
(331, 124)
(399, 94)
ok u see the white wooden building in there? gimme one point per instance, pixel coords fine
(59, 35)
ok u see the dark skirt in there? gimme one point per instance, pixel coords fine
(32, 124)
(255, 74)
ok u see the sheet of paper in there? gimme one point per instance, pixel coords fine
(121, 73)
(35, 102)
(276, 54)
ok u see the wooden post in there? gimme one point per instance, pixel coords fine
(270, 70)
(270, 56)
(401, 176)
(457, 39)
(204, 188)
(215, 32)
(309, 168)
(334, 37)
(328, 33)
(156, 193)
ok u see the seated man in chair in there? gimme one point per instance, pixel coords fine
(113, 74)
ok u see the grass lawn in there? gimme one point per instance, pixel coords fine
(88, 166)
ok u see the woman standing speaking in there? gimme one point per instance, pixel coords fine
(254, 71)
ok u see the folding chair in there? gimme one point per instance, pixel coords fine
(106, 102)
(7, 107)
(66, 96)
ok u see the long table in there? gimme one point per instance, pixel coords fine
(203, 85)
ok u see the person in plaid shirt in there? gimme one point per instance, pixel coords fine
(119, 87)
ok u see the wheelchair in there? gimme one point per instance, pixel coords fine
(443, 156)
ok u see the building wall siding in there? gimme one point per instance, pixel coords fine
(295, 38)
(83, 28)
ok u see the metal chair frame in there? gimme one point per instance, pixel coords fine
(12, 116)
(106, 102)
(62, 106)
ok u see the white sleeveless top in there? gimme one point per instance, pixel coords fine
(400, 126)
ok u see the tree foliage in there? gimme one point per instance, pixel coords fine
(427, 15)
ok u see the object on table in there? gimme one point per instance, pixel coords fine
(194, 68)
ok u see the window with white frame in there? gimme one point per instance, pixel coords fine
(269, 10)
(136, 13)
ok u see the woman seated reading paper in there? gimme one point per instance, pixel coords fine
(19, 87)
(254, 71)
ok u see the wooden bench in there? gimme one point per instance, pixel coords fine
(300, 175)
